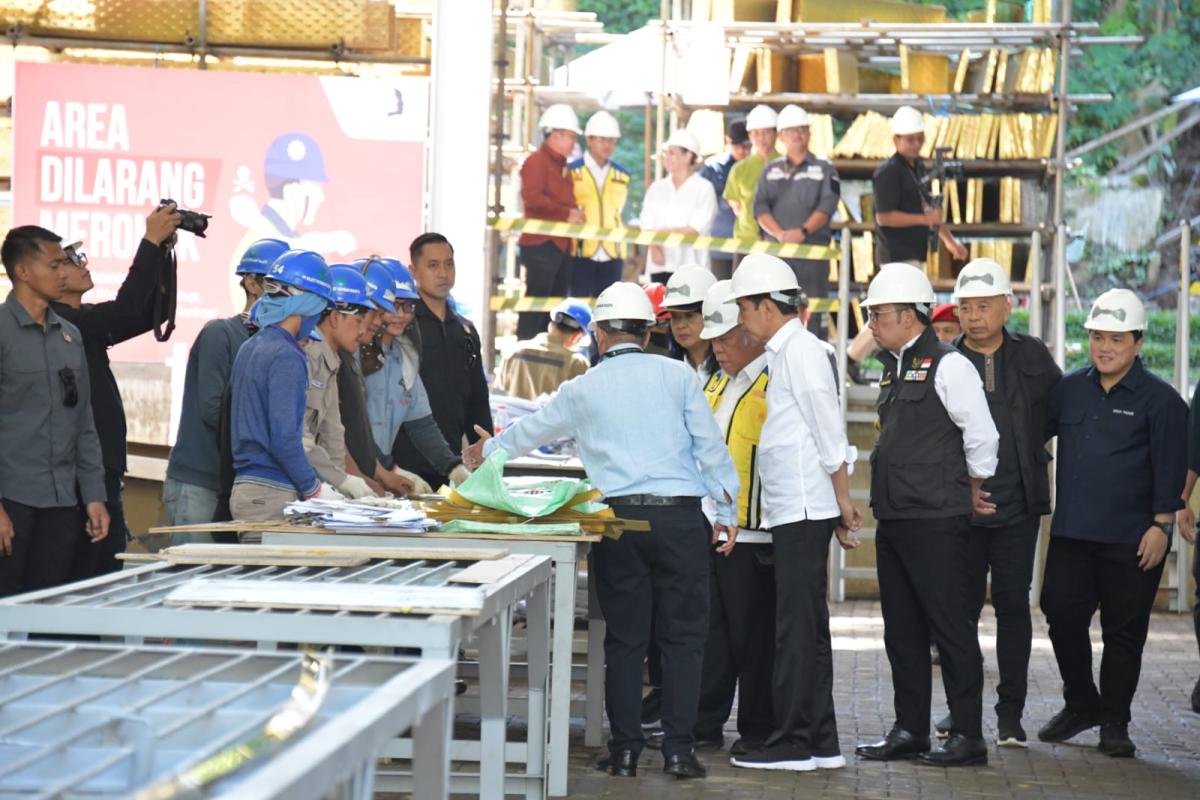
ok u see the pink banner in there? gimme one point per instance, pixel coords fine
(333, 165)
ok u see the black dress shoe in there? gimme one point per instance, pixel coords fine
(958, 751)
(899, 744)
(702, 743)
(1067, 723)
(621, 764)
(1196, 697)
(684, 766)
(1115, 742)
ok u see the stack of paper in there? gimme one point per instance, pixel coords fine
(348, 514)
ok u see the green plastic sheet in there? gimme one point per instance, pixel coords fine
(487, 487)
(510, 529)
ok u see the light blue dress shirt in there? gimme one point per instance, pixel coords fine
(642, 426)
(389, 402)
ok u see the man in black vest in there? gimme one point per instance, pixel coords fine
(937, 444)
(1018, 374)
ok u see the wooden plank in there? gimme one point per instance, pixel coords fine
(289, 550)
(489, 571)
(272, 561)
(321, 596)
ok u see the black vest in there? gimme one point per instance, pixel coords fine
(918, 468)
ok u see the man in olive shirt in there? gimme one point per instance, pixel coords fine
(48, 441)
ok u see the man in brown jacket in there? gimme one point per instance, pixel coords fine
(547, 192)
(542, 364)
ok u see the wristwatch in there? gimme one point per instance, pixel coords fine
(1166, 527)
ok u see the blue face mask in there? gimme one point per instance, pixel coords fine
(272, 309)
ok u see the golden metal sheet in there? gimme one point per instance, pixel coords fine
(856, 10)
(960, 73)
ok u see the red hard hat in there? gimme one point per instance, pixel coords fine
(946, 312)
(657, 292)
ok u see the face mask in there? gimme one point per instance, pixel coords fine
(272, 309)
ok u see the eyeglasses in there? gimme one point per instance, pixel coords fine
(407, 306)
(70, 389)
(873, 315)
(76, 255)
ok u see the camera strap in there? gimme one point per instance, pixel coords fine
(165, 300)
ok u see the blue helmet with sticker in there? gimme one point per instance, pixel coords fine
(572, 313)
(349, 287)
(406, 289)
(259, 257)
(381, 285)
(302, 269)
(297, 157)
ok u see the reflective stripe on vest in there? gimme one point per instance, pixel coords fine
(745, 431)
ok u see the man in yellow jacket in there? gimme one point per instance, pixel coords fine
(601, 187)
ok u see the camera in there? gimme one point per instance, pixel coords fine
(192, 221)
(943, 170)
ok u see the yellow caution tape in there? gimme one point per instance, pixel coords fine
(635, 236)
(818, 305)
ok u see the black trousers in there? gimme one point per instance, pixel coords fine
(104, 553)
(1082, 576)
(1196, 604)
(547, 274)
(589, 278)
(922, 565)
(721, 266)
(664, 572)
(814, 280)
(803, 674)
(1008, 552)
(740, 650)
(46, 547)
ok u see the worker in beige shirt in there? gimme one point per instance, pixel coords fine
(339, 329)
(542, 364)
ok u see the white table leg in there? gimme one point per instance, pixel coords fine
(431, 752)
(537, 633)
(494, 640)
(560, 672)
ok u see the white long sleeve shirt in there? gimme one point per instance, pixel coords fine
(960, 389)
(693, 205)
(803, 439)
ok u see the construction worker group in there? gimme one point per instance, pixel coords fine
(702, 399)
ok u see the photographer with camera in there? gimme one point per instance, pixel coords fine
(132, 313)
(906, 214)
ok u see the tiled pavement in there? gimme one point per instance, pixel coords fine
(1164, 728)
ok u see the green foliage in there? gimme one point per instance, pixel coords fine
(1158, 352)
(621, 16)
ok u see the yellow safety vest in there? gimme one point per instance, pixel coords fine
(602, 205)
(745, 431)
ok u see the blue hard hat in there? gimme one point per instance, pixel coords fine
(406, 288)
(302, 269)
(349, 287)
(381, 285)
(295, 156)
(259, 257)
(572, 313)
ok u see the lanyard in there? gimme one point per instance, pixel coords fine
(623, 352)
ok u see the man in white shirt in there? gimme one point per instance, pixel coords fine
(934, 451)
(803, 462)
(740, 649)
(681, 201)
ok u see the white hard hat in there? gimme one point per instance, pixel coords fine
(688, 286)
(720, 313)
(622, 301)
(907, 120)
(763, 274)
(1117, 310)
(792, 116)
(761, 118)
(602, 124)
(559, 117)
(982, 277)
(901, 283)
(685, 139)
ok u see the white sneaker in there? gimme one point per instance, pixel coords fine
(830, 762)
(777, 757)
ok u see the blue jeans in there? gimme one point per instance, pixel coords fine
(189, 504)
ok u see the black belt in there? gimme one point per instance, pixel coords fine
(652, 500)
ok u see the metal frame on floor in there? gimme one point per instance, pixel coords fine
(131, 605)
(111, 721)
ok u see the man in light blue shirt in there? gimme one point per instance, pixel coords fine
(650, 444)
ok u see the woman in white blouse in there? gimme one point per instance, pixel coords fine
(679, 202)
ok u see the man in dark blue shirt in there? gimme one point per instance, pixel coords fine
(716, 171)
(1122, 462)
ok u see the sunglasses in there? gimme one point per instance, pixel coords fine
(76, 255)
(407, 306)
(70, 388)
